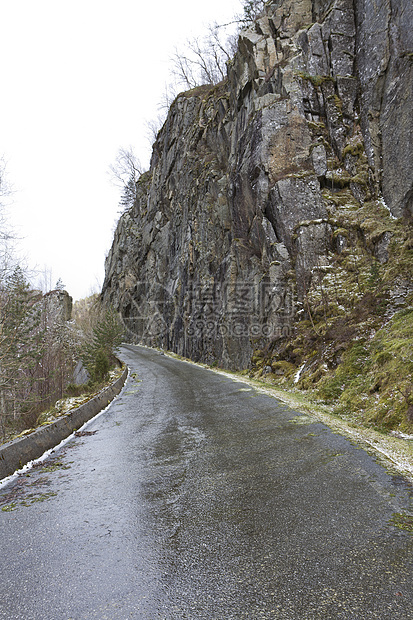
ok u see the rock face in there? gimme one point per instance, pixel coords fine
(242, 207)
(57, 306)
(384, 65)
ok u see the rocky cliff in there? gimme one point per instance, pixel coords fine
(274, 225)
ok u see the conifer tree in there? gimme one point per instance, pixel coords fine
(98, 353)
(20, 345)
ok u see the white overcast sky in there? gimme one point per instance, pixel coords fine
(79, 80)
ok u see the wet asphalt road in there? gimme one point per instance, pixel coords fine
(197, 497)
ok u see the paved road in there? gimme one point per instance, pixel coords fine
(197, 497)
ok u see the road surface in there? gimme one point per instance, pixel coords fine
(195, 496)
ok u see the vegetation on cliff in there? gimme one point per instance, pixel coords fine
(272, 230)
(353, 337)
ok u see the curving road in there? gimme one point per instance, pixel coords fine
(196, 497)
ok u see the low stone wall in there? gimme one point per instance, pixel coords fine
(18, 452)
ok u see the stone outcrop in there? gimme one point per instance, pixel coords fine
(57, 306)
(242, 207)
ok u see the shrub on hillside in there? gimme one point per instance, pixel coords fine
(98, 352)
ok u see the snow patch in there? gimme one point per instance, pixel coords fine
(298, 373)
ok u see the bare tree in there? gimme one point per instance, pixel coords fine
(42, 279)
(251, 10)
(7, 236)
(5, 186)
(204, 61)
(153, 127)
(125, 172)
(125, 165)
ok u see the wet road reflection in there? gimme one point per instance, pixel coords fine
(194, 496)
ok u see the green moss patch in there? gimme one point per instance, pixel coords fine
(403, 521)
(316, 80)
(354, 342)
(54, 467)
(374, 381)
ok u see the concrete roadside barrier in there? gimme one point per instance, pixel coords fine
(17, 453)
